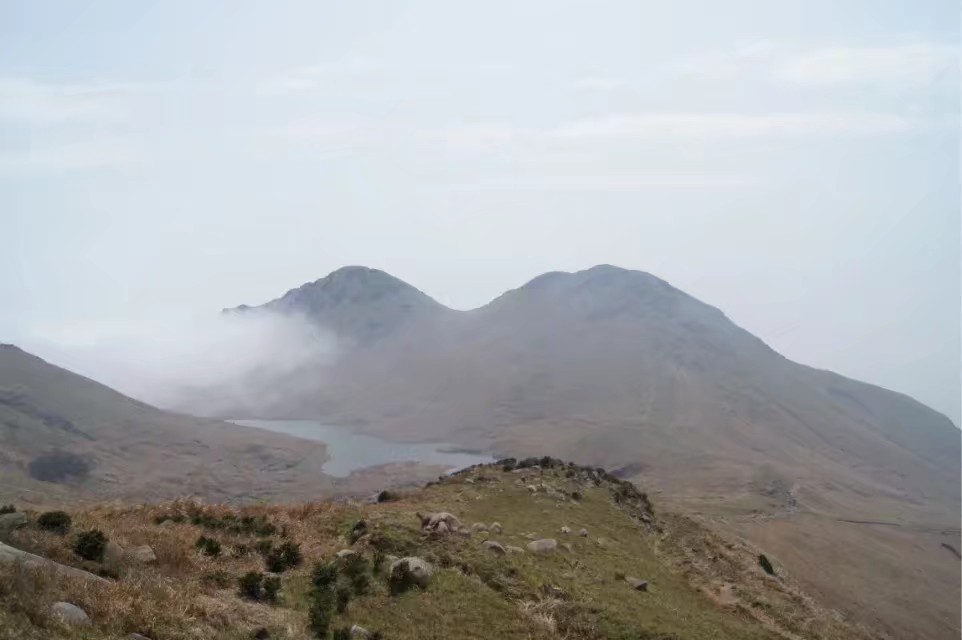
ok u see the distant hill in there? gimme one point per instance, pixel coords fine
(617, 368)
(65, 438)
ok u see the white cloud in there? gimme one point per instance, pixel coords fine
(600, 83)
(28, 100)
(609, 183)
(315, 76)
(90, 154)
(672, 125)
(908, 65)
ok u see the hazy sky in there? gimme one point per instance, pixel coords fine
(794, 163)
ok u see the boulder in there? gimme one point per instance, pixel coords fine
(357, 631)
(566, 530)
(11, 521)
(493, 546)
(345, 553)
(544, 545)
(69, 614)
(637, 583)
(512, 549)
(495, 527)
(10, 555)
(113, 552)
(419, 569)
(143, 554)
(479, 526)
(431, 520)
(583, 533)
(166, 523)
(532, 488)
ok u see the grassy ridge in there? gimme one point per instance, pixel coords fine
(701, 586)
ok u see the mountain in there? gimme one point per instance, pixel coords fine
(609, 566)
(617, 368)
(65, 439)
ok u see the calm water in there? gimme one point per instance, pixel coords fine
(349, 450)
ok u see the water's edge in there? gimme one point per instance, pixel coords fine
(349, 451)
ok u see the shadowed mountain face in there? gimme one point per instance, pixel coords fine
(618, 368)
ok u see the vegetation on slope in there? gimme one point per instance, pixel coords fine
(698, 585)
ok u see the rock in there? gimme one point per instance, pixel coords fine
(113, 553)
(166, 523)
(357, 631)
(496, 547)
(566, 530)
(10, 555)
(464, 533)
(601, 542)
(10, 522)
(442, 528)
(70, 614)
(469, 481)
(419, 569)
(545, 545)
(583, 533)
(431, 520)
(567, 547)
(495, 527)
(512, 549)
(136, 636)
(345, 553)
(532, 488)
(479, 526)
(637, 584)
(143, 554)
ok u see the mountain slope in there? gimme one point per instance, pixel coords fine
(65, 437)
(618, 368)
(699, 585)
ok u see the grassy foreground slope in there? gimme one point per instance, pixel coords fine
(700, 586)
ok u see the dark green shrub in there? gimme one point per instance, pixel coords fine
(355, 569)
(250, 585)
(342, 596)
(342, 633)
(220, 579)
(765, 564)
(387, 496)
(284, 557)
(7, 508)
(324, 576)
(55, 521)
(358, 529)
(261, 634)
(272, 587)
(208, 546)
(319, 617)
(264, 547)
(90, 545)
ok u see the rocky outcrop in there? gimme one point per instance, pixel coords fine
(545, 545)
(10, 555)
(69, 614)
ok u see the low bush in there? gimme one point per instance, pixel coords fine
(251, 585)
(208, 546)
(284, 557)
(90, 545)
(342, 596)
(7, 508)
(272, 587)
(55, 521)
(765, 564)
(387, 496)
(357, 530)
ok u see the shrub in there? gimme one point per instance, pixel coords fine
(58, 466)
(7, 508)
(341, 599)
(765, 564)
(387, 496)
(355, 569)
(261, 634)
(324, 576)
(55, 521)
(220, 579)
(377, 559)
(342, 633)
(90, 545)
(319, 617)
(250, 585)
(264, 547)
(208, 546)
(358, 529)
(272, 586)
(285, 557)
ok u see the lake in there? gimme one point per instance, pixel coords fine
(348, 450)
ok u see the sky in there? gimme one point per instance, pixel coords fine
(794, 163)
